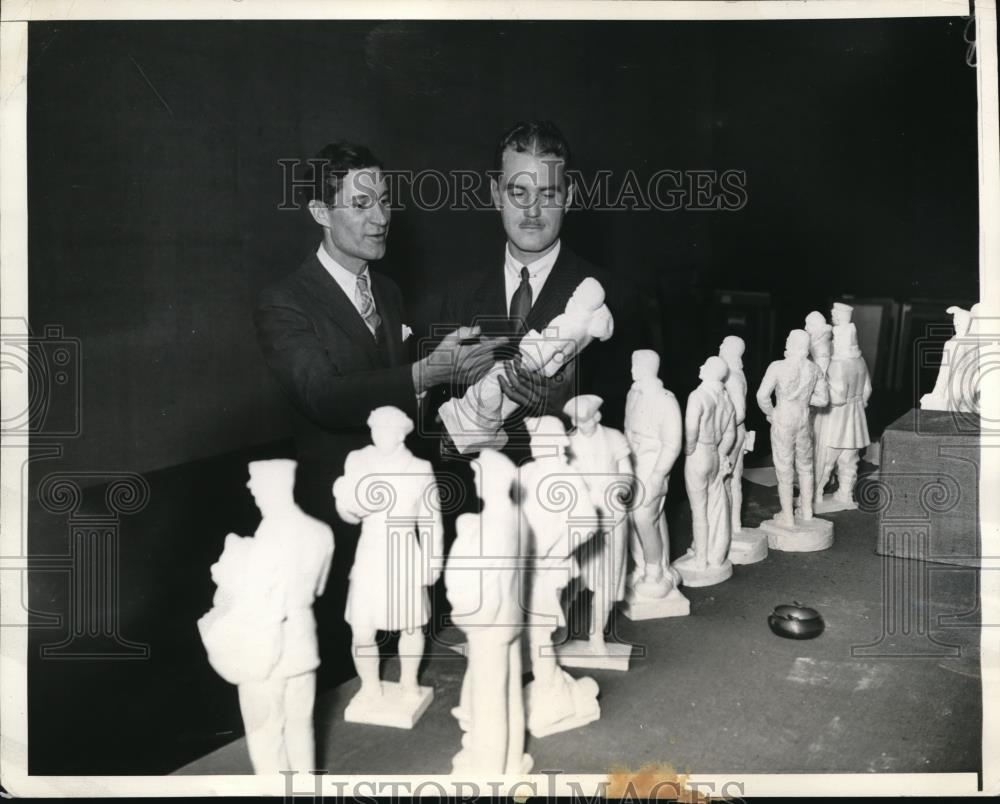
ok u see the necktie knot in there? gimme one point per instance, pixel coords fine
(525, 276)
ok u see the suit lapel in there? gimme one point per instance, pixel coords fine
(559, 286)
(341, 309)
(392, 328)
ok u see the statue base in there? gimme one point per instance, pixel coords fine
(638, 607)
(569, 706)
(748, 546)
(597, 656)
(702, 576)
(805, 535)
(831, 503)
(393, 708)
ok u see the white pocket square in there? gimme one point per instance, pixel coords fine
(407, 332)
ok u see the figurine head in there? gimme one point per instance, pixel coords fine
(493, 473)
(962, 319)
(731, 350)
(713, 370)
(584, 412)
(845, 342)
(797, 343)
(841, 313)
(589, 295)
(390, 427)
(547, 432)
(815, 322)
(645, 364)
(272, 484)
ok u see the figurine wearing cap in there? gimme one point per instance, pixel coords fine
(797, 383)
(603, 458)
(561, 518)
(261, 634)
(394, 496)
(845, 429)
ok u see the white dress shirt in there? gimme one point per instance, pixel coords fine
(538, 272)
(348, 280)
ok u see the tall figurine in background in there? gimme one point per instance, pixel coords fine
(820, 340)
(562, 519)
(840, 316)
(845, 430)
(956, 387)
(750, 545)
(400, 553)
(260, 633)
(655, 434)
(709, 439)
(483, 580)
(474, 421)
(797, 383)
(603, 458)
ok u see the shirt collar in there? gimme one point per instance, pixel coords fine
(346, 279)
(539, 267)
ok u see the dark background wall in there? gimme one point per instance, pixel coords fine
(155, 185)
(154, 220)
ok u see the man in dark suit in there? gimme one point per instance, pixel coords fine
(530, 284)
(333, 335)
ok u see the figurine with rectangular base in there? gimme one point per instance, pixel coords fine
(483, 580)
(394, 496)
(260, 633)
(798, 384)
(655, 433)
(709, 437)
(603, 458)
(844, 431)
(561, 518)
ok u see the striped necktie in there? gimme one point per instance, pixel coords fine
(366, 302)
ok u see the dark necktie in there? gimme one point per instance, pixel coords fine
(363, 294)
(520, 303)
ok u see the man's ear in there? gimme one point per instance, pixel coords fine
(320, 212)
(570, 192)
(495, 193)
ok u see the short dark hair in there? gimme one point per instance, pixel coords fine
(327, 169)
(541, 136)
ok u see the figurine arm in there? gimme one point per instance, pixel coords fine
(434, 550)
(602, 325)
(324, 572)
(821, 391)
(728, 438)
(766, 389)
(692, 423)
(867, 392)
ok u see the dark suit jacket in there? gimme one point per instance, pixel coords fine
(328, 363)
(602, 368)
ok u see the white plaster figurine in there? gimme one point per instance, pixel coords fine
(655, 434)
(474, 422)
(483, 580)
(845, 427)
(956, 388)
(709, 436)
(749, 545)
(260, 633)
(394, 496)
(820, 339)
(797, 383)
(561, 518)
(603, 458)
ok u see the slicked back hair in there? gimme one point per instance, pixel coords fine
(327, 169)
(540, 137)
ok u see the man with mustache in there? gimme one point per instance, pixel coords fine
(530, 285)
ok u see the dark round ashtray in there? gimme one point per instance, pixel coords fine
(796, 621)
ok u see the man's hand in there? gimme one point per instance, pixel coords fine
(529, 389)
(462, 357)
